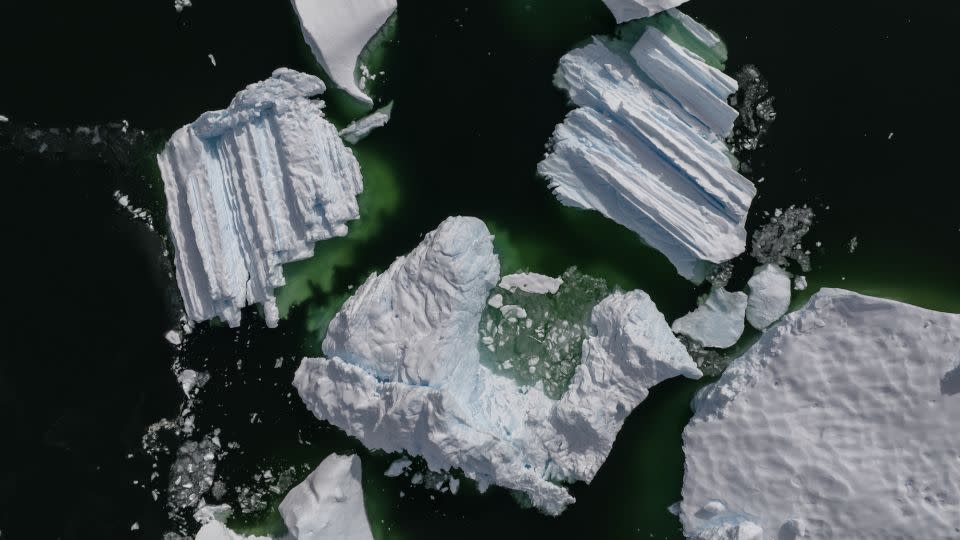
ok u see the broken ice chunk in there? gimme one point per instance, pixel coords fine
(769, 296)
(718, 322)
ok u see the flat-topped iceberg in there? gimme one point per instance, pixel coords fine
(628, 10)
(717, 322)
(252, 187)
(646, 149)
(834, 425)
(403, 373)
(337, 32)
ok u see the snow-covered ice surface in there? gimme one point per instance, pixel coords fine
(531, 283)
(646, 149)
(834, 425)
(717, 322)
(402, 373)
(358, 130)
(769, 296)
(328, 505)
(337, 32)
(628, 10)
(252, 187)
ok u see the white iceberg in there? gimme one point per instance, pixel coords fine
(252, 187)
(531, 283)
(769, 296)
(328, 505)
(402, 373)
(646, 149)
(628, 10)
(337, 32)
(834, 425)
(214, 530)
(699, 31)
(358, 130)
(717, 322)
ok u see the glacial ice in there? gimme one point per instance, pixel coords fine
(337, 32)
(531, 283)
(769, 296)
(358, 130)
(834, 425)
(646, 149)
(628, 10)
(252, 187)
(717, 322)
(402, 373)
(328, 505)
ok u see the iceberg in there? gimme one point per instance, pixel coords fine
(833, 425)
(358, 130)
(252, 187)
(769, 296)
(328, 505)
(531, 283)
(646, 149)
(628, 10)
(337, 32)
(214, 530)
(402, 373)
(717, 322)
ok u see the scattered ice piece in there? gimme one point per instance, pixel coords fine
(807, 431)
(628, 10)
(212, 59)
(337, 32)
(212, 512)
(328, 505)
(179, 5)
(174, 337)
(717, 322)
(191, 380)
(397, 467)
(800, 283)
(252, 187)
(531, 283)
(359, 129)
(516, 312)
(852, 245)
(214, 530)
(699, 31)
(3, 119)
(769, 290)
(135, 526)
(496, 301)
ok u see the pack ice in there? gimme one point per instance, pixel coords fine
(836, 424)
(337, 32)
(252, 187)
(645, 148)
(402, 372)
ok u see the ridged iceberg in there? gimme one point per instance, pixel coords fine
(646, 149)
(252, 187)
(403, 373)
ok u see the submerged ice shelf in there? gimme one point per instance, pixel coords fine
(836, 424)
(252, 187)
(645, 148)
(402, 372)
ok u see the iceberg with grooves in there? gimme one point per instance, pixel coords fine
(252, 187)
(834, 425)
(402, 372)
(628, 10)
(645, 148)
(337, 32)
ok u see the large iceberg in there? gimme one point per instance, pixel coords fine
(717, 322)
(337, 32)
(628, 10)
(252, 187)
(646, 149)
(403, 373)
(834, 425)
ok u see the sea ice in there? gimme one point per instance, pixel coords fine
(252, 187)
(717, 322)
(337, 32)
(769, 296)
(358, 130)
(628, 10)
(402, 373)
(531, 283)
(646, 149)
(834, 425)
(328, 505)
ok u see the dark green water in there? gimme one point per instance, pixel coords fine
(86, 368)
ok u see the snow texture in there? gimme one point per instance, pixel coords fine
(531, 283)
(646, 149)
(358, 130)
(834, 425)
(402, 373)
(769, 296)
(252, 187)
(328, 505)
(717, 322)
(337, 32)
(628, 10)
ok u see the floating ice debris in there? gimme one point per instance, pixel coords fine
(213, 60)
(402, 373)
(3, 119)
(338, 31)
(174, 337)
(252, 187)
(852, 244)
(214, 530)
(717, 322)
(397, 467)
(179, 5)
(212, 512)
(645, 149)
(191, 475)
(780, 239)
(191, 380)
(807, 433)
(769, 300)
(359, 129)
(531, 283)
(328, 505)
(755, 107)
(628, 10)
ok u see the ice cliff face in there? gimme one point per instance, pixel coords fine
(834, 425)
(402, 373)
(628, 10)
(252, 187)
(646, 149)
(337, 32)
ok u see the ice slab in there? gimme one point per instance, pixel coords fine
(402, 373)
(531, 283)
(717, 322)
(834, 425)
(252, 187)
(628, 10)
(328, 505)
(769, 296)
(337, 32)
(358, 130)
